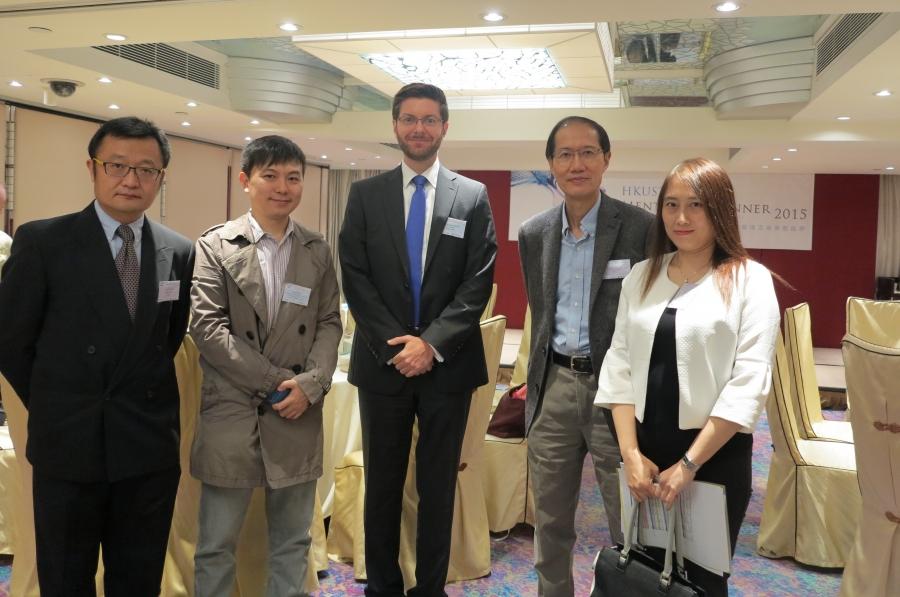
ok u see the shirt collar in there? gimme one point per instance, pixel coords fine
(588, 222)
(256, 231)
(110, 224)
(431, 174)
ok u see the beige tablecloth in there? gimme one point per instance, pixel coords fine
(343, 434)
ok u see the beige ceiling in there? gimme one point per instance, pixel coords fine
(644, 139)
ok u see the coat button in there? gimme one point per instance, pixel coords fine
(149, 393)
(158, 348)
(544, 350)
(260, 410)
(302, 329)
(297, 369)
(91, 349)
(250, 335)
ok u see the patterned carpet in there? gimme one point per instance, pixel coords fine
(513, 576)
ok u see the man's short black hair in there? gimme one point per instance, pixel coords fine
(601, 134)
(131, 127)
(425, 90)
(271, 150)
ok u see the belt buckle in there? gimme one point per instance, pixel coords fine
(573, 366)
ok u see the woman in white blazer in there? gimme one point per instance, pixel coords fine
(689, 368)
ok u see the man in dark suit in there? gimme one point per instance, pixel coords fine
(93, 307)
(574, 257)
(417, 253)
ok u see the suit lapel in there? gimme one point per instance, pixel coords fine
(243, 267)
(98, 271)
(392, 204)
(608, 224)
(550, 259)
(444, 196)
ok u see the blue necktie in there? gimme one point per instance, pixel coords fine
(415, 235)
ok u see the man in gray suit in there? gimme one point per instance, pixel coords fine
(417, 253)
(574, 257)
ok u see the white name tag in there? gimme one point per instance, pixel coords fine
(168, 291)
(296, 294)
(455, 228)
(617, 269)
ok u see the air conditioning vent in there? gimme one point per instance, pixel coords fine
(48, 6)
(170, 60)
(845, 32)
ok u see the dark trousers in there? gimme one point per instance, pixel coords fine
(129, 518)
(387, 423)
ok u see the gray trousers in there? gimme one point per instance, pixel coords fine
(567, 427)
(289, 513)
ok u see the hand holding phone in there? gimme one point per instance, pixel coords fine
(277, 396)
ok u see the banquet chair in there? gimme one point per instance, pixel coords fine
(492, 301)
(871, 351)
(470, 541)
(812, 498)
(505, 474)
(804, 385)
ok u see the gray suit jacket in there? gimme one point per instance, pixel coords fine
(621, 234)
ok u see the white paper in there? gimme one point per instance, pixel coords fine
(296, 294)
(455, 227)
(704, 521)
(617, 269)
(168, 291)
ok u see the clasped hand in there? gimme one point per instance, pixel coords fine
(416, 358)
(645, 480)
(295, 404)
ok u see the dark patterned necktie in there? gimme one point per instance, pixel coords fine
(128, 268)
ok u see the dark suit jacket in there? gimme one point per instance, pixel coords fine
(621, 234)
(456, 283)
(100, 391)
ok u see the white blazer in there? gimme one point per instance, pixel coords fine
(724, 353)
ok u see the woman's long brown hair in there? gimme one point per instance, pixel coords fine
(712, 186)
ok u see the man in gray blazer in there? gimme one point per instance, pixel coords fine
(417, 253)
(574, 257)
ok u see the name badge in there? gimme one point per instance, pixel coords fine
(168, 291)
(616, 269)
(296, 294)
(455, 227)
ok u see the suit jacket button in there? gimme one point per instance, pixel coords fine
(149, 393)
(158, 348)
(297, 369)
(544, 350)
(260, 410)
(250, 335)
(91, 349)
(302, 329)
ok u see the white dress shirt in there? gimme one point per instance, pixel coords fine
(724, 351)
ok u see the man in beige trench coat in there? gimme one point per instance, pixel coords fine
(265, 318)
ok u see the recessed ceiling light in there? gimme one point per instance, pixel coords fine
(776, 159)
(115, 37)
(311, 138)
(104, 80)
(324, 157)
(352, 163)
(348, 149)
(493, 17)
(254, 122)
(192, 104)
(248, 138)
(288, 27)
(765, 165)
(792, 149)
(185, 123)
(889, 168)
(377, 157)
(884, 93)
(113, 106)
(727, 6)
(842, 118)
(15, 84)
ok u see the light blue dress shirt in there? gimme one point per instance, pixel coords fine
(571, 330)
(110, 225)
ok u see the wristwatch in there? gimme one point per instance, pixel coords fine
(689, 464)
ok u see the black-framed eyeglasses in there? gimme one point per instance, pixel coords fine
(430, 122)
(117, 170)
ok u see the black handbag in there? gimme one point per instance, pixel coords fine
(629, 572)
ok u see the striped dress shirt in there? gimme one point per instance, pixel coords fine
(273, 261)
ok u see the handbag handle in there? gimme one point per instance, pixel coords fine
(632, 537)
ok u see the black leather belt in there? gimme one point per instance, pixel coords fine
(577, 364)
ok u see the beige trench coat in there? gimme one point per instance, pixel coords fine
(240, 440)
